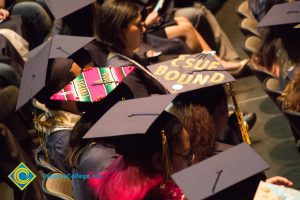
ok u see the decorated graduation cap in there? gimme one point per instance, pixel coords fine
(63, 8)
(190, 72)
(93, 84)
(223, 171)
(140, 127)
(281, 14)
(35, 69)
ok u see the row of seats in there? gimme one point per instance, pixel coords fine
(270, 83)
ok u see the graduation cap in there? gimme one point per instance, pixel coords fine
(93, 84)
(63, 8)
(130, 117)
(35, 69)
(141, 126)
(280, 14)
(219, 172)
(190, 72)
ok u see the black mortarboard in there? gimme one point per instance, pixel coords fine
(190, 72)
(35, 69)
(130, 117)
(219, 172)
(280, 14)
(62, 8)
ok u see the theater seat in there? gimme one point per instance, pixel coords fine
(261, 74)
(272, 87)
(244, 11)
(57, 187)
(294, 120)
(249, 27)
(252, 45)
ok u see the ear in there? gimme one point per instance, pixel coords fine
(156, 161)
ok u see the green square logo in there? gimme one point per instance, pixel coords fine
(22, 176)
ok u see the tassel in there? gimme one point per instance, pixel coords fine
(42, 134)
(166, 156)
(239, 115)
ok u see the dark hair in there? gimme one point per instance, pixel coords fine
(111, 18)
(80, 23)
(142, 146)
(266, 56)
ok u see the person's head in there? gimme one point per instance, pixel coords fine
(290, 98)
(148, 150)
(60, 72)
(200, 126)
(214, 99)
(145, 160)
(279, 38)
(118, 25)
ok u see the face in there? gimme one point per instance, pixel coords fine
(75, 69)
(133, 34)
(181, 155)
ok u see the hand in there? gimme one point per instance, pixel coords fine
(152, 18)
(3, 14)
(279, 180)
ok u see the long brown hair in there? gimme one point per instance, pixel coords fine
(111, 18)
(200, 126)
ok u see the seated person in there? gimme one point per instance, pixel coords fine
(59, 119)
(184, 29)
(145, 162)
(35, 14)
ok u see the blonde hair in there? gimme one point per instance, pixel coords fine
(290, 98)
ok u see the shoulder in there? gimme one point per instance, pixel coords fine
(166, 190)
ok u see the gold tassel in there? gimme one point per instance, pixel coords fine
(166, 155)
(239, 115)
(42, 134)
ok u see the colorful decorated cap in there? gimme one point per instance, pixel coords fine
(63, 8)
(281, 14)
(93, 84)
(190, 72)
(219, 173)
(130, 117)
(35, 69)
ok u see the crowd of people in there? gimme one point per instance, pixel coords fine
(87, 96)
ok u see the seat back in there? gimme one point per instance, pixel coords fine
(272, 87)
(243, 10)
(249, 27)
(252, 45)
(294, 120)
(57, 186)
(261, 74)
